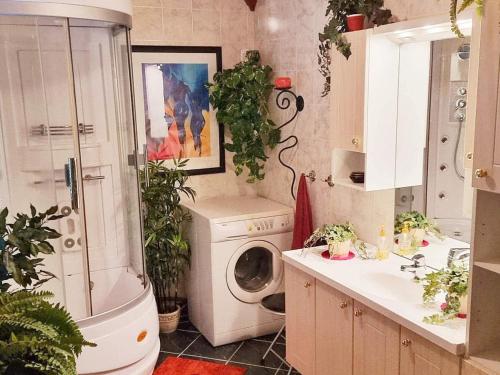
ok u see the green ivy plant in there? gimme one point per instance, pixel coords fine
(334, 233)
(455, 10)
(416, 220)
(240, 96)
(167, 251)
(337, 12)
(452, 281)
(21, 241)
(36, 336)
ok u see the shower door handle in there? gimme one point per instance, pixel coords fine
(89, 177)
(71, 183)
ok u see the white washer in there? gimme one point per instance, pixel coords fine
(236, 246)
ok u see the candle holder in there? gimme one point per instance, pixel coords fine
(284, 101)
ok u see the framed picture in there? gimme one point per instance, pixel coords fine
(174, 116)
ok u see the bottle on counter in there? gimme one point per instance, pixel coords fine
(382, 245)
(405, 241)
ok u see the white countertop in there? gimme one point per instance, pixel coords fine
(381, 286)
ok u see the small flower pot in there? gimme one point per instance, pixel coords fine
(418, 235)
(355, 22)
(340, 248)
(463, 305)
(170, 321)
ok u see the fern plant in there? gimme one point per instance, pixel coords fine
(21, 241)
(36, 336)
(455, 10)
(240, 96)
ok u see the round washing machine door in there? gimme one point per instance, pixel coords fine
(254, 271)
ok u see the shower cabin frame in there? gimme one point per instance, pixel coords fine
(68, 12)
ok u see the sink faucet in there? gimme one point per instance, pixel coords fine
(458, 254)
(418, 263)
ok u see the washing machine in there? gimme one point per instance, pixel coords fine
(236, 245)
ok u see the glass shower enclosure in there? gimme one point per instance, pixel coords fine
(67, 138)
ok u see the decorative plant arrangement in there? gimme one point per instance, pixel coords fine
(167, 251)
(240, 96)
(419, 226)
(455, 10)
(452, 281)
(338, 12)
(36, 336)
(339, 238)
(20, 244)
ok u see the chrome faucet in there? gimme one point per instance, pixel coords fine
(456, 254)
(418, 263)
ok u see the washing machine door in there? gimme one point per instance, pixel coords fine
(254, 271)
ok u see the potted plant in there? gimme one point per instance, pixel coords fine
(167, 251)
(343, 16)
(418, 224)
(339, 237)
(455, 10)
(240, 96)
(454, 283)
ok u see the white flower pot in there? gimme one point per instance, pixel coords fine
(418, 236)
(169, 321)
(340, 248)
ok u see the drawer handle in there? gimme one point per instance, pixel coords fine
(307, 284)
(480, 173)
(355, 141)
(406, 342)
(343, 304)
(358, 312)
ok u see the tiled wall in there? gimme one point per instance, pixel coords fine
(285, 31)
(226, 23)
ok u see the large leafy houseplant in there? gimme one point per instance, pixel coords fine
(240, 96)
(21, 242)
(36, 336)
(454, 283)
(338, 237)
(455, 9)
(337, 12)
(416, 220)
(167, 251)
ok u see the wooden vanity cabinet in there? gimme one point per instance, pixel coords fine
(334, 319)
(421, 357)
(376, 343)
(300, 305)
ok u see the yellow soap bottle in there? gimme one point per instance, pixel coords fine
(382, 249)
(404, 241)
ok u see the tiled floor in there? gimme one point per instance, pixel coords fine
(187, 342)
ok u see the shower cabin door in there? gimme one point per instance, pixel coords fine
(109, 180)
(37, 144)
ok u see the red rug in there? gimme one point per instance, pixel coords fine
(183, 366)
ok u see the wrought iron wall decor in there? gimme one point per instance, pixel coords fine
(284, 101)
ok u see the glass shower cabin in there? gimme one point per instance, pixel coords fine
(67, 139)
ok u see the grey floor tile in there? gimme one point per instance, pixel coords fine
(203, 348)
(251, 353)
(177, 341)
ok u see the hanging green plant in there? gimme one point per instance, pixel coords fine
(455, 10)
(337, 12)
(240, 96)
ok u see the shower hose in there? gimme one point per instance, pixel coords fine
(455, 157)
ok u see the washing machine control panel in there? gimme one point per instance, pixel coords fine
(269, 225)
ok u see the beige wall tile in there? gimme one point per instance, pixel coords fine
(207, 4)
(234, 27)
(147, 24)
(207, 26)
(178, 24)
(177, 4)
(147, 3)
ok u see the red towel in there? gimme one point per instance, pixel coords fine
(303, 216)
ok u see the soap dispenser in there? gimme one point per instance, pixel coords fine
(382, 249)
(405, 240)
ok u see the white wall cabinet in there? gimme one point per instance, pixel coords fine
(329, 333)
(379, 102)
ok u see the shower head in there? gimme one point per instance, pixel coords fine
(463, 51)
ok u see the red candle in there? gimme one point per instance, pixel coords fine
(283, 82)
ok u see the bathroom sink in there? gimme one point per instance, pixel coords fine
(395, 287)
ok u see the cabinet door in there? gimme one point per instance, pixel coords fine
(421, 357)
(334, 314)
(376, 343)
(300, 319)
(348, 94)
(486, 165)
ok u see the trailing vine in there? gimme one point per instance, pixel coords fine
(241, 95)
(455, 10)
(337, 12)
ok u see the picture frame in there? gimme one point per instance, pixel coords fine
(174, 116)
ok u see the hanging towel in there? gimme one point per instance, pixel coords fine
(303, 216)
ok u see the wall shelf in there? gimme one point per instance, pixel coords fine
(492, 265)
(490, 359)
(346, 182)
